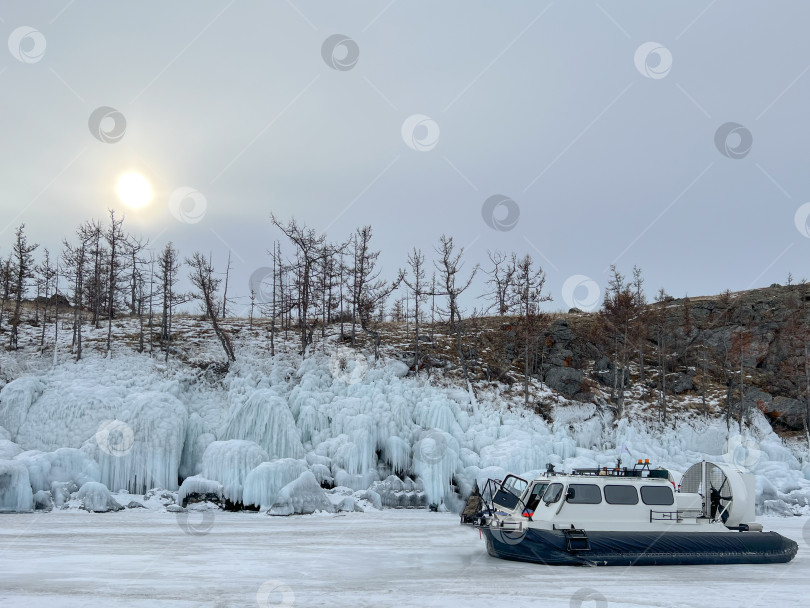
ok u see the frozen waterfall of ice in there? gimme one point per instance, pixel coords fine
(132, 424)
(229, 463)
(15, 488)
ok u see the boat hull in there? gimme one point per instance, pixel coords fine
(551, 547)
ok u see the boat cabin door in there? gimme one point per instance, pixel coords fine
(509, 493)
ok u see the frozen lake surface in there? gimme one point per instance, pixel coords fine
(388, 558)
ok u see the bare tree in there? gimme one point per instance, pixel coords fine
(95, 285)
(369, 292)
(225, 289)
(416, 285)
(449, 266)
(619, 314)
(641, 325)
(206, 285)
(660, 319)
(168, 267)
(118, 247)
(46, 274)
(309, 252)
(528, 295)
(75, 258)
(501, 280)
(23, 270)
(6, 282)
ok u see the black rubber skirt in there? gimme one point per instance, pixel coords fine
(552, 547)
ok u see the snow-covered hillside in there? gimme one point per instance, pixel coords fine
(272, 430)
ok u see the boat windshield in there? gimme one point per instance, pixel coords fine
(553, 493)
(536, 494)
(514, 485)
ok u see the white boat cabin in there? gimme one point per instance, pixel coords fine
(628, 499)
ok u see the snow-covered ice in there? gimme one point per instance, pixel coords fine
(139, 559)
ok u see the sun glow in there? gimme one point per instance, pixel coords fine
(133, 190)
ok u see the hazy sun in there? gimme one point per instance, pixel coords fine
(134, 190)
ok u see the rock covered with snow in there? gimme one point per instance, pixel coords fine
(15, 488)
(43, 501)
(198, 487)
(302, 496)
(229, 463)
(61, 491)
(96, 498)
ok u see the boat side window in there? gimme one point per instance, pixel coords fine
(584, 494)
(553, 493)
(657, 495)
(621, 495)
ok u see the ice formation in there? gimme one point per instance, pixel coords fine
(304, 495)
(141, 447)
(15, 488)
(229, 463)
(64, 464)
(131, 424)
(264, 418)
(263, 483)
(95, 497)
(8, 449)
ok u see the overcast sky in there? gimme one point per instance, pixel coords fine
(598, 119)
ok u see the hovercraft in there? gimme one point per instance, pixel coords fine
(625, 517)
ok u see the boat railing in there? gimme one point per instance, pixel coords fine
(675, 516)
